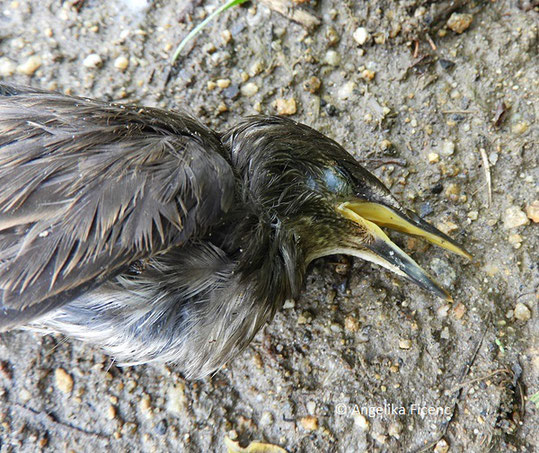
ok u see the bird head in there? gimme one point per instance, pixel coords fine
(307, 185)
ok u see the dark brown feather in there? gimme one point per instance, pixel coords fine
(87, 188)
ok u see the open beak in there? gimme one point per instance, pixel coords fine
(375, 246)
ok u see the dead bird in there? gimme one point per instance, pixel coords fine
(147, 233)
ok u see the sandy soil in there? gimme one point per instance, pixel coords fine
(427, 119)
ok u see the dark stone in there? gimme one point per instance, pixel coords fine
(161, 427)
(446, 64)
(231, 92)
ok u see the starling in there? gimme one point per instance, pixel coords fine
(147, 233)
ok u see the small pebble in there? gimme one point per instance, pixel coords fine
(405, 344)
(121, 63)
(64, 381)
(346, 90)
(7, 67)
(522, 313)
(223, 83)
(361, 35)
(447, 226)
(222, 108)
(394, 430)
(380, 438)
(289, 303)
(332, 58)
(514, 217)
(209, 48)
(532, 211)
(266, 418)
(351, 324)
(448, 148)
(211, 85)
(443, 271)
(30, 66)
(385, 144)
(226, 36)
(368, 75)
(24, 396)
(452, 191)
(441, 447)
(459, 23)
(161, 427)
(515, 240)
(433, 158)
(520, 127)
(111, 413)
(285, 106)
(231, 92)
(92, 61)
(309, 423)
(473, 215)
(249, 89)
(176, 399)
(312, 84)
(443, 311)
(332, 36)
(311, 407)
(446, 64)
(256, 68)
(459, 310)
(145, 403)
(361, 422)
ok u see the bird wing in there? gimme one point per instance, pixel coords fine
(87, 188)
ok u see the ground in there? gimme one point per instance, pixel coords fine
(447, 120)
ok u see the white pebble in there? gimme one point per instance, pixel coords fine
(346, 90)
(522, 313)
(7, 67)
(405, 344)
(121, 63)
(448, 148)
(361, 422)
(332, 58)
(92, 61)
(361, 35)
(514, 217)
(249, 89)
(30, 66)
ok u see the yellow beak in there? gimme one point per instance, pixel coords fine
(375, 246)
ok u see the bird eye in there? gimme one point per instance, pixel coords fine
(334, 180)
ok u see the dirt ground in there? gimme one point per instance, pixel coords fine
(447, 120)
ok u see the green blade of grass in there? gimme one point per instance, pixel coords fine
(196, 30)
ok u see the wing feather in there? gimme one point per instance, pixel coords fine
(87, 188)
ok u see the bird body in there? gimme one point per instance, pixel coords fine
(149, 234)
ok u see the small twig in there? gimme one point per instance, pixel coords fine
(486, 167)
(460, 112)
(389, 161)
(482, 378)
(49, 422)
(431, 42)
(298, 15)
